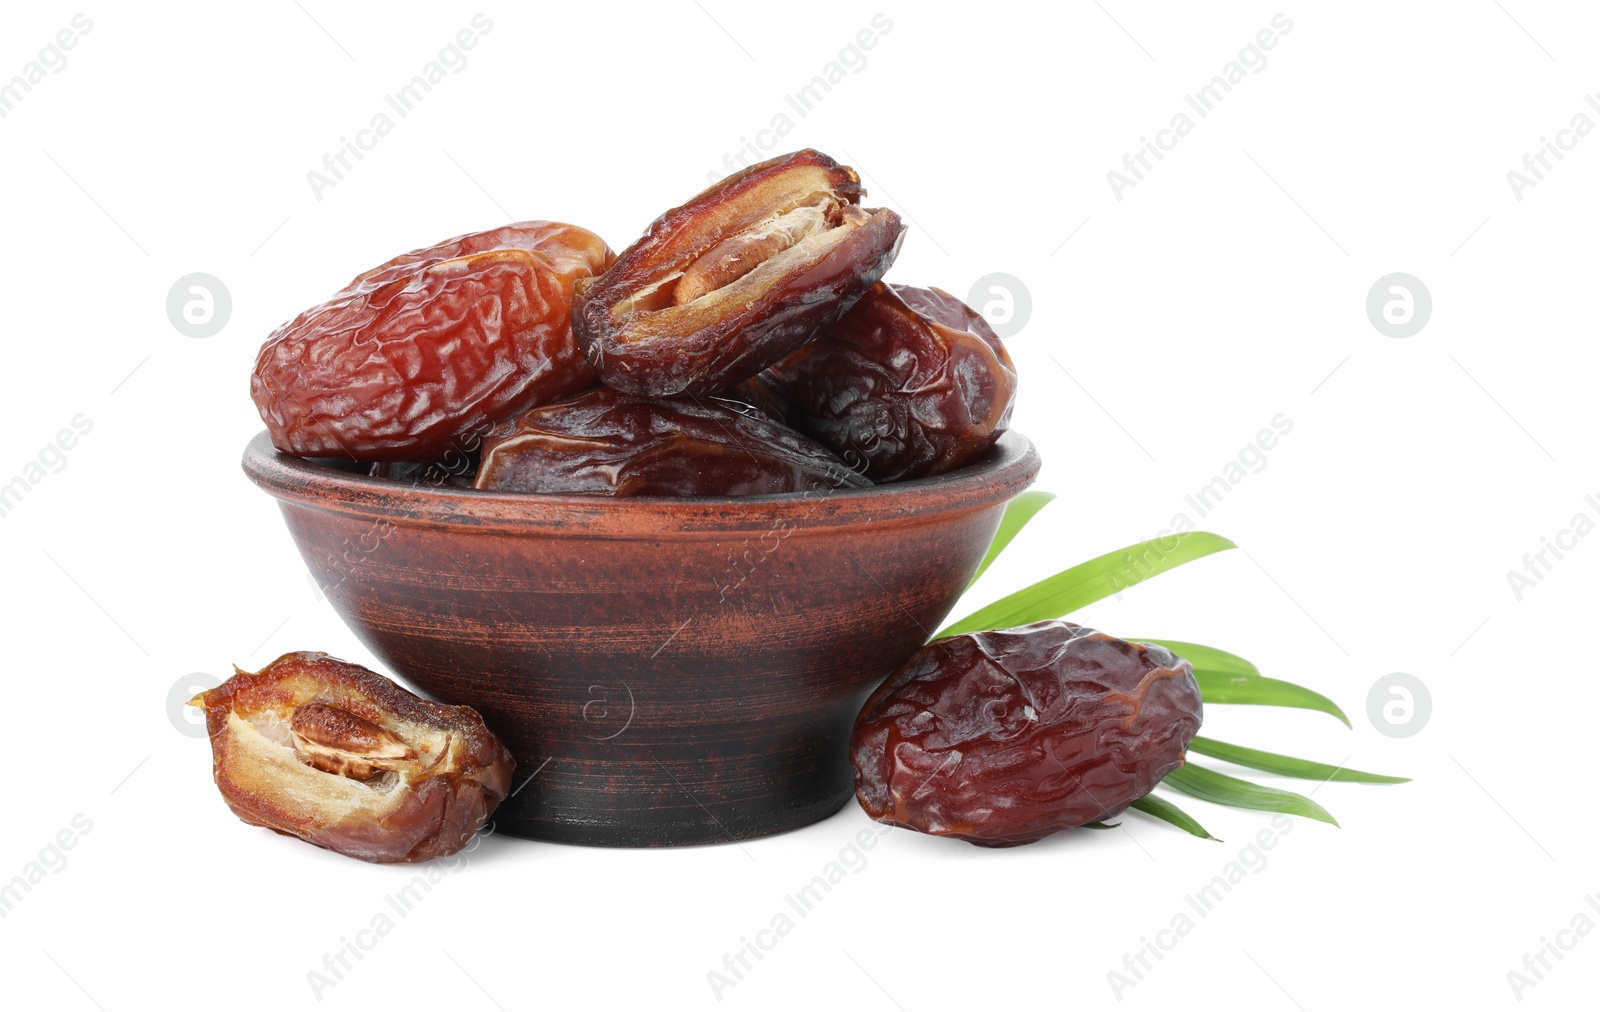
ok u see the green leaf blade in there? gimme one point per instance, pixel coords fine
(1084, 584)
(1018, 512)
(1221, 687)
(1221, 789)
(1287, 766)
(1202, 656)
(1166, 811)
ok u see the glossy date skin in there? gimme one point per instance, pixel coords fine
(339, 756)
(1003, 738)
(912, 380)
(732, 281)
(764, 397)
(415, 354)
(605, 442)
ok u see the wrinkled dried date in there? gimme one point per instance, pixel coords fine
(912, 380)
(455, 469)
(1002, 738)
(412, 355)
(743, 274)
(605, 442)
(340, 756)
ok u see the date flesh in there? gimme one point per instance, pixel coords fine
(339, 756)
(605, 442)
(415, 354)
(732, 281)
(1003, 738)
(911, 380)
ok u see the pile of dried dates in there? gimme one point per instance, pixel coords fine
(744, 345)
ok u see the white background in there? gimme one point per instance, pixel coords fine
(1227, 287)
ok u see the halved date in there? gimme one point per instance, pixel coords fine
(605, 442)
(412, 356)
(339, 756)
(743, 274)
(911, 380)
(1002, 738)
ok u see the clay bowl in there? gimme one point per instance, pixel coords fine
(666, 671)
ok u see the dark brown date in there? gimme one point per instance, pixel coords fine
(912, 380)
(437, 474)
(1003, 738)
(761, 395)
(743, 274)
(413, 355)
(455, 469)
(339, 756)
(605, 442)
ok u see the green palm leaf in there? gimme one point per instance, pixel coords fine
(1221, 687)
(1202, 656)
(1221, 789)
(1018, 512)
(1166, 811)
(1084, 584)
(1288, 766)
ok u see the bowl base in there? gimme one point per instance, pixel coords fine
(646, 832)
(754, 780)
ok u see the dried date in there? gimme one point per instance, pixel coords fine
(413, 355)
(912, 380)
(763, 397)
(1003, 738)
(455, 469)
(605, 442)
(732, 281)
(339, 756)
(437, 474)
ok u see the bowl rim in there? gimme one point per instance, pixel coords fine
(1008, 467)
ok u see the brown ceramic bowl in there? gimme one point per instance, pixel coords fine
(666, 671)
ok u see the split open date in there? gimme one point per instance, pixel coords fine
(732, 281)
(340, 756)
